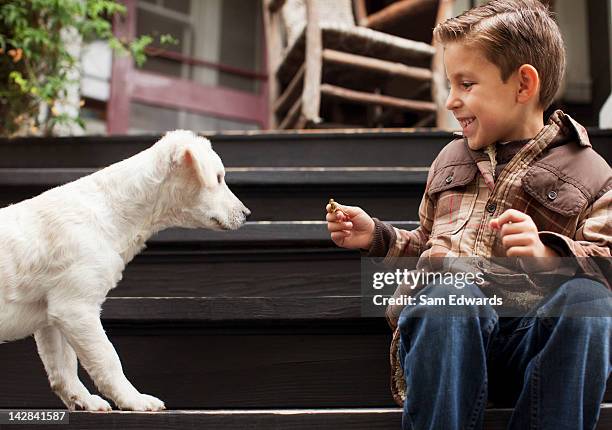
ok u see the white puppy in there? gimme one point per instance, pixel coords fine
(61, 253)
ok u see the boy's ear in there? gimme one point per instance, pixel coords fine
(529, 83)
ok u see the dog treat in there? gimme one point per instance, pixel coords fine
(334, 207)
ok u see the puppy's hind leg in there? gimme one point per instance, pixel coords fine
(61, 364)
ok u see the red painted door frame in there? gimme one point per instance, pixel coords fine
(130, 84)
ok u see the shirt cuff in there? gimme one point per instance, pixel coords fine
(564, 246)
(384, 237)
(557, 242)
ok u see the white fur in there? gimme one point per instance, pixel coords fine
(62, 251)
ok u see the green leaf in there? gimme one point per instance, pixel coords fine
(43, 73)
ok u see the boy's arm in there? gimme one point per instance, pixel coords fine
(593, 235)
(392, 243)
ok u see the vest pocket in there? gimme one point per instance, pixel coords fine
(453, 209)
(554, 190)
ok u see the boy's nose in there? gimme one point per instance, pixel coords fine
(452, 102)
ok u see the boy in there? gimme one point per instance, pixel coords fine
(511, 187)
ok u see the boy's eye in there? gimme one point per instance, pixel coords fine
(466, 85)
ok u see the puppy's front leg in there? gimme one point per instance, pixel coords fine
(61, 364)
(81, 325)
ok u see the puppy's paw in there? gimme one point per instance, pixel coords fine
(89, 402)
(141, 402)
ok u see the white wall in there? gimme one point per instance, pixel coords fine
(573, 21)
(96, 61)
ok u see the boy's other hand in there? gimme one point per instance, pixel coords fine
(350, 227)
(520, 238)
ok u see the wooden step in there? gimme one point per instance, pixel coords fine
(272, 193)
(290, 364)
(303, 148)
(285, 260)
(243, 176)
(277, 419)
(280, 259)
(309, 148)
(204, 309)
(248, 365)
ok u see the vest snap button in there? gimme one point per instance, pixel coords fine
(449, 179)
(552, 195)
(491, 207)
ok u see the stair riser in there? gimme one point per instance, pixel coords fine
(264, 150)
(231, 370)
(228, 368)
(245, 151)
(295, 274)
(298, 202)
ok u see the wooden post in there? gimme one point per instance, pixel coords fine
(361, 12)
(265, 103)
(274, 48)
(311, 97)
(118, 105)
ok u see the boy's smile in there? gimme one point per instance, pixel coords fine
(488, 109)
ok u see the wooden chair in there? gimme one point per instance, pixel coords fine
(326, 71)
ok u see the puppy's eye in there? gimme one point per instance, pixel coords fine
(219, 178)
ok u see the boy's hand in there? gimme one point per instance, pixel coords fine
(520, 237)
(350, 227)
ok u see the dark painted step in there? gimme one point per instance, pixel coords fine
(279, 419)
(287, 260)
(196, 300)
(313, 148)
(272, 194)
(260, 149)
(280, 176)
(276, 364)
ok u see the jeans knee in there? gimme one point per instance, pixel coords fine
(581, 289)
(579, 297)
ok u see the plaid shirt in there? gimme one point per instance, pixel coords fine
(556, 178)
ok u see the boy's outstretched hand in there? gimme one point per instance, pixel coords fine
(520, 238)
(350, 227)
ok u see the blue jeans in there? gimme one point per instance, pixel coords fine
(551, 369)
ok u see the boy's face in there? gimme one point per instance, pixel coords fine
(484, 105)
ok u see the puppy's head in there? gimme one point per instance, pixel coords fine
(198, 192)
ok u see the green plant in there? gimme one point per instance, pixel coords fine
(35, 62)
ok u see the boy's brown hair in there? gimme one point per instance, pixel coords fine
(511, 33)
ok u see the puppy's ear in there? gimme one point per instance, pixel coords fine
(188, 160)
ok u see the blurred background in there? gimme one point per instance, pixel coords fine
(216, 77)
